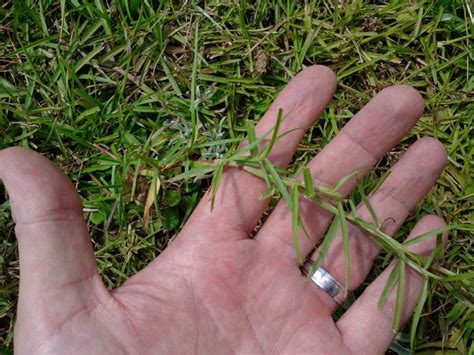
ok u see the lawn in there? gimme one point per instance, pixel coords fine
(124, 94)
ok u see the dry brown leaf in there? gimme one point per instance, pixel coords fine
(150, 199)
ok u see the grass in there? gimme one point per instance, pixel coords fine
(131, 97)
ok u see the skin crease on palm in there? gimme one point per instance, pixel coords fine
(214, 290)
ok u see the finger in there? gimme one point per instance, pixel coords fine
(408, 182)
(56, 258)
(368, 329)
(238, 206)
(372, 132)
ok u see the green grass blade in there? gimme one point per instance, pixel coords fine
(265, 175)
(392, 278)
(171, 79)
(417, 313)
(252, 138)
(295, 217)
(247, 148)
(345, 244)
(400, 295)
(87, 58)
(216, 180)
(192, 107)
(261, 173)
(431, 234)
(466, 276)
(324, 247)
(192, 173)
(274, 136)
(369, 206)
(278, 182)
(308, 182)
(345, 179)
(217, 142)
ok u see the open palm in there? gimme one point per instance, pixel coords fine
(214, 290)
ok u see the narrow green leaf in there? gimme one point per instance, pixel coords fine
(417, 313)
(461, 277)
(63, 18)
(278, 182)
(329, 193)
(345, 179)
(249, 147)
(217, 142)
(192, 107)
(324, 247)
(192, 173)
(353, 207)
(421, 302)
(169, 75)
(252, 137)
(345, 244)
(295, 217)
(274, 136)
(135, 179)
(369, 206)
(216, 182)
(268, 193)
(416, 266)
(430, 234)
(305, 231)
(43, 20)
(308, 182)
(261, 173)
(392, 278)
(89, 112)
(400, 294)
(265, 175)
(87, 58)
(384, 240)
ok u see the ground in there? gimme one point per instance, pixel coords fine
(122, 93)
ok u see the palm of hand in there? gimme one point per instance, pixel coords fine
(201, 298)
(213, 290)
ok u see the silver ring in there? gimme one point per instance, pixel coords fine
(324, 280)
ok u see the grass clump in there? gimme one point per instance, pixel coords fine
(129, 97)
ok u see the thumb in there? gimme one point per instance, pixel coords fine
(57, 266)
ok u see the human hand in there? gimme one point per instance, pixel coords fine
(214, 290)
